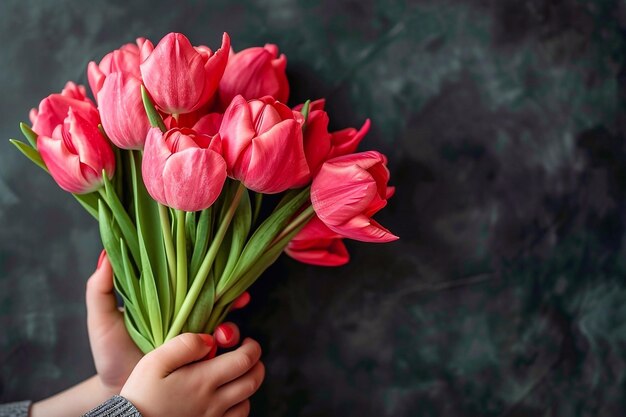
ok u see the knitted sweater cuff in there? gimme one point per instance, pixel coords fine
(116, 406)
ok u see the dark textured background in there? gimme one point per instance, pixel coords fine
(504, 124)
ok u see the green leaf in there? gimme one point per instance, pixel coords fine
(305, 111)
(30, 153)
(152, 252)
(110, 240)
(89, 203)
(129, 231)
(240, 229)
(201, 310)
(141, 342)
(264, 236)
(190, 224)
(203, 235)
(151, 111)
(257, 268)
(28, 133)
(139, 312)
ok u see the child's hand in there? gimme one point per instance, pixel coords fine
(174, 380)
(115, 354)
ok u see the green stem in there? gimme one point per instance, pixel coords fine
(128, 228)
(207, 263)
(181, 260)
(169, 243)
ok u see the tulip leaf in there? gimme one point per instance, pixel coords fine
(266, 259)
(201, 310)
(89, 203)
(203, 235)
(141, 342)
(30, 153)
(305, 112)
(152, 253)
(240, 230)
(263, 237)
(190, 225)
(139, 312)
(110, 240)
(151, 111)
(129, 231)
(28, 133)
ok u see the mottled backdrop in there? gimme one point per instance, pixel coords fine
(504, 125)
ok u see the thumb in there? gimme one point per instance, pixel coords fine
(100, 298)
(180, 351)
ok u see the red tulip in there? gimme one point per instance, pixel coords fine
(183, 169)
(348, 191)
(262, 142)
(181, 78)
(320, 145)
(254, 73)
(54, 109)
(126, 60)
(122, 111)
(76, 153)
(316, 244)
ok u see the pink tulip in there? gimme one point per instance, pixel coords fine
(319, 144)
(262, 145)
(122, 111)
(54, 109)
(316, 244)
(76, 153)
(348, 191)
(181, 78)
(125, 60)
(183, 169)
(254, 73)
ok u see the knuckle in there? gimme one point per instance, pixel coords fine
(245, 408)
(245, 361)
(189, 341)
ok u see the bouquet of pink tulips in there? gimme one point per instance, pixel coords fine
(173, 163)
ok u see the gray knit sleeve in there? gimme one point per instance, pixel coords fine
(19, 409)
(116, 406)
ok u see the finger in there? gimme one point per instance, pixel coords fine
(243, 387)
(241, 301)
(240, 410)
(99, 296)
(227, 335)
(232, 365)
(180, 351)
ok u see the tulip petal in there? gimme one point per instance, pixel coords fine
(155, 155)
(193, 179)
(64, 166)
(276, 159)
(346, 141)
(91, 147)
(364, 229)
(330, 253)
(236, 130)
(340, 193)
(122, 111)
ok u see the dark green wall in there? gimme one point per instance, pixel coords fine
(504, 125)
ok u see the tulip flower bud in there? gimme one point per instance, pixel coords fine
(316, 244)
(254, 73)
(262, 141)
(76, 153)
(320, 145)
(181, 78)
(183, 169)
(348, 191)
(125, 59)
(122, 111)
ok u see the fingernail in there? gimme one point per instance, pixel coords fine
(241, 301)
(101, 258)
(226, 332)
(207, 339)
